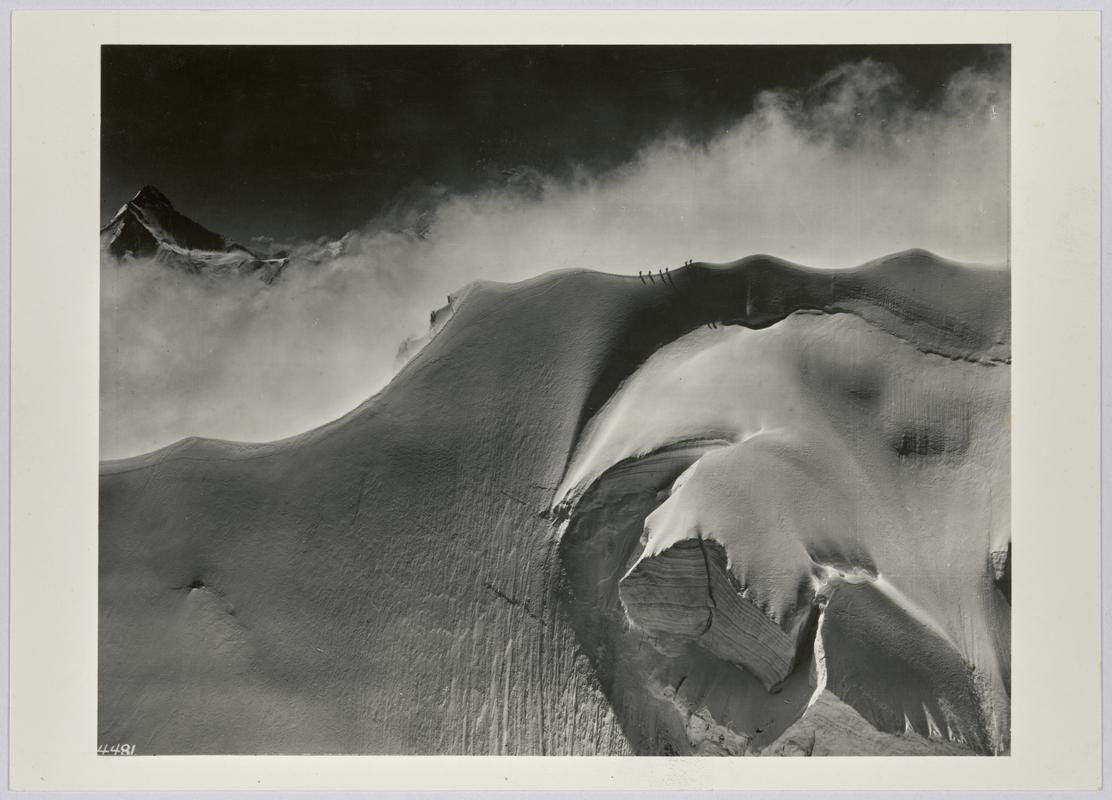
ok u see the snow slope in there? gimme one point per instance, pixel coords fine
(597, 515)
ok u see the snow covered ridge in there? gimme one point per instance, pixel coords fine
(148, 226)
(748, 508)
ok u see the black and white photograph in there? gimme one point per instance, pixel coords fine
(609, 400)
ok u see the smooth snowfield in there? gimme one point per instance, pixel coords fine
(513, 547)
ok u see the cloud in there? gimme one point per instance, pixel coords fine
(845, 171)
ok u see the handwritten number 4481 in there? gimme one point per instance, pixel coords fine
(116, 750)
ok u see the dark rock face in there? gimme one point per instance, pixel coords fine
(127, 235)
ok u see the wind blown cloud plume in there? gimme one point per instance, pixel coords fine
(844, 172)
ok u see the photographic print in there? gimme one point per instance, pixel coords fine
(555, 400)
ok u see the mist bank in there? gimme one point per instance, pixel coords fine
(848, 170)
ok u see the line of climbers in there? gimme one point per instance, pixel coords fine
(666, 277)
(664, 274)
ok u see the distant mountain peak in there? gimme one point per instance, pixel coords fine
(149, 220)
(148, 226)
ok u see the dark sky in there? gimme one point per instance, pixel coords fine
(300, 142)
